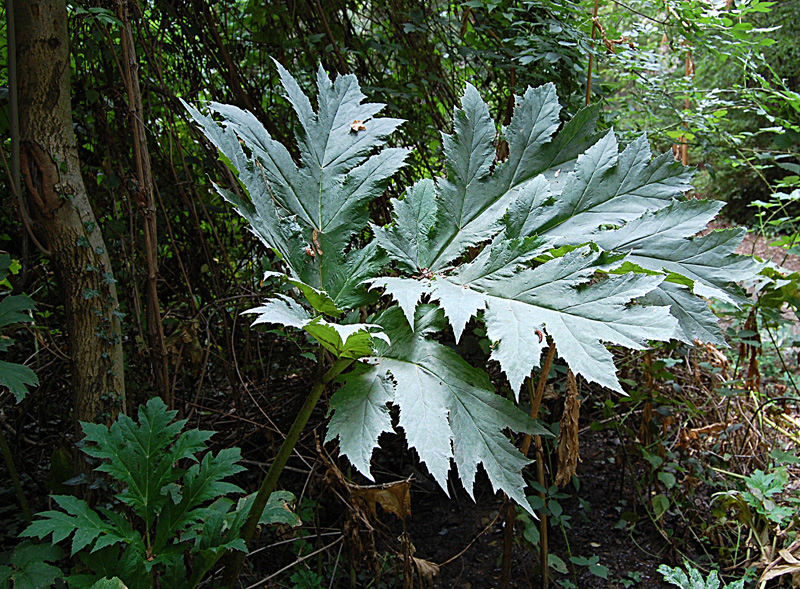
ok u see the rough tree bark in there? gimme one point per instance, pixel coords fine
(60, 208)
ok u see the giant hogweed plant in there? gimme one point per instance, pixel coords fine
(568, 239)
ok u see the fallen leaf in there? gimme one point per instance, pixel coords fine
(426, 569)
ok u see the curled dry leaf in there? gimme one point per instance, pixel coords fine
(426, 570)
(786, 564)
(568, 445)
(393, 497)
(357, 126)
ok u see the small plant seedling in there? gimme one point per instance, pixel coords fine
(168, 525)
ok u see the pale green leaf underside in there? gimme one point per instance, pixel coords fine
(478, 245)
(626, 203)
(361, 415)
(472, 200)
(556, 299)
(697, 322)
(448, 409)
(408, 240)
(609, 188)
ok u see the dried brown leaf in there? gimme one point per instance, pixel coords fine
(393, 497)
(426, 570)
(568, 445)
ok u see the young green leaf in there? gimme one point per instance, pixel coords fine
(353, 340)
(142, 457)
(79, 519)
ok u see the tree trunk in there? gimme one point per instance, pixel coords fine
(63, 218)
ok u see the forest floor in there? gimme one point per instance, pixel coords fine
(597, 529)
(609, 516)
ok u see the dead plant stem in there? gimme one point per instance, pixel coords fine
(536, 394)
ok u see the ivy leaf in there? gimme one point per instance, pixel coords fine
(278, 511)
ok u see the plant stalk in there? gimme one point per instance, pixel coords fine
(12, 471)
(591, 55)
(511, 513)
(684, 142)
(235, 559)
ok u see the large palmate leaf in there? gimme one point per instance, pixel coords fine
(664, 240)
(627, 204)
(448, 409)
(471, 199)
(556, 297)
(310, 212)
(608, 188)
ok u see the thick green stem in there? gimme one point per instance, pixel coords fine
(235, 558)
(12, 470)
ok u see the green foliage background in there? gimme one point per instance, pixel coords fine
(416, 56)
